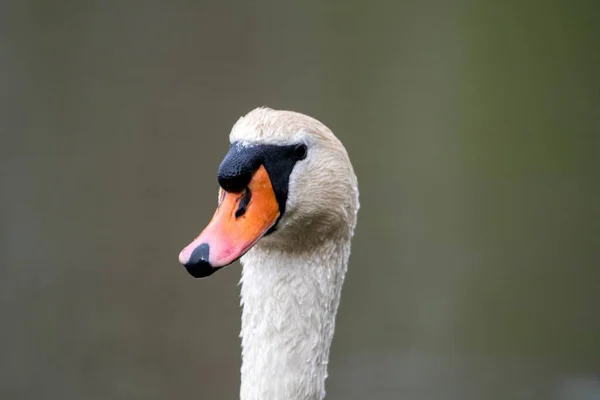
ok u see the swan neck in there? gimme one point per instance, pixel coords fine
(289, 301)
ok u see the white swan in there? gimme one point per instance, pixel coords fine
(287, 204)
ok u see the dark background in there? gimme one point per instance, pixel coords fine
(474, 129)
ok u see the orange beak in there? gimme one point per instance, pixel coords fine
(240, 220)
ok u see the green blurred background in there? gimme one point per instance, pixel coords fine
(474, 129)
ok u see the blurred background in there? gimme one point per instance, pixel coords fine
(474, 131)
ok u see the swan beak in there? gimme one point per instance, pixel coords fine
(240, 221)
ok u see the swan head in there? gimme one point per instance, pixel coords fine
(286, 183)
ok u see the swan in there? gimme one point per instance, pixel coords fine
(287, 206)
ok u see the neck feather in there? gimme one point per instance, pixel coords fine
(289, 300)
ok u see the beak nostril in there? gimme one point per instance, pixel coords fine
(244, 203)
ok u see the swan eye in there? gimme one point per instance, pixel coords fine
(300, 151)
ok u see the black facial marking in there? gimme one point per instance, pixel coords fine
(242, 161)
